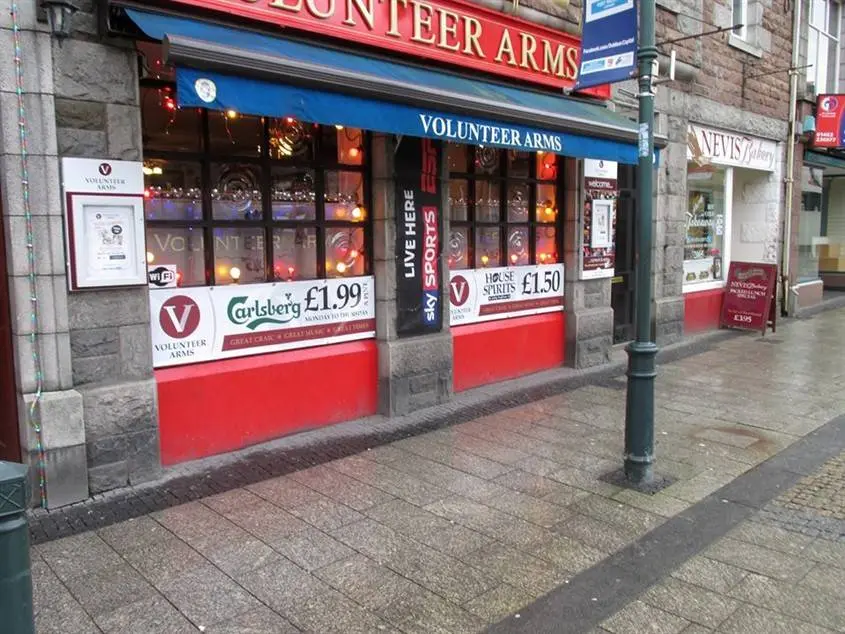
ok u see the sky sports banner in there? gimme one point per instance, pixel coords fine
(517, 291)
(609, 42)
(417, 237)
(191, 325)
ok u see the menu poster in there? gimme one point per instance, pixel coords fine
(598, 257)
(749, 296)
(110, 253)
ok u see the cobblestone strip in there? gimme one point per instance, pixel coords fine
(815, 506)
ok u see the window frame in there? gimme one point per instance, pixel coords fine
(264, 163)
(831, 38)
(728, 193)
(742, 19)
(504, 181)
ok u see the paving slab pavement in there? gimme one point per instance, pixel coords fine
(463, 528)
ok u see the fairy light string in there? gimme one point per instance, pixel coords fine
(23, 126)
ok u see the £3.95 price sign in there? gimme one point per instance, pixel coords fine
(489, 294)
(190, 325)
(748, 296)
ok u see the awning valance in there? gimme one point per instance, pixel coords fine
(225, 68)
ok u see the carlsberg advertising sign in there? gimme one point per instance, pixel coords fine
(192, 325)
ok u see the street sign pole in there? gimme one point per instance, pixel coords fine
(639, 409)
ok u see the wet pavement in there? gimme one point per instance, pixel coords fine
(469, 526)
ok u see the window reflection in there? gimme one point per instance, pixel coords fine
(236, 192)
(458, 200)
(459, 248)
(545, 245)
(343, 146)
(487, 201)
(518, 203)
(182, 247)
(168, 128)
(172, 190)
(546, 205)
(518, 253)
(293, 194)
(295, 253)
(345, 252)
(291, 140)
(238, 255)
(546, 166)
(235, 134)
(344, 196)
(487, 247)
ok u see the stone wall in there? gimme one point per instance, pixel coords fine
(60, 413)
(414, 372)
(97, 410)
(98, 116)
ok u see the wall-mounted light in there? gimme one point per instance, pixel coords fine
(59, 14)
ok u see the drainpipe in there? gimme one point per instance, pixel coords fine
(786, 273)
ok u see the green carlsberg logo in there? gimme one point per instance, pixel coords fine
(256, 312)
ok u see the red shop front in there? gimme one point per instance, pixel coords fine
(287, 241)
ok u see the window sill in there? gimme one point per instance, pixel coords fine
(744, 46)
(706, 286)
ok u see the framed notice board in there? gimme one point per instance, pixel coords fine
(749, 302)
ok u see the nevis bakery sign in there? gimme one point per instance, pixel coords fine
(451, 31)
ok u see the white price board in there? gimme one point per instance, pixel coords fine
(191, 325)
(500, 293)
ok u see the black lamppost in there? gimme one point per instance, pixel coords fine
(639, 406)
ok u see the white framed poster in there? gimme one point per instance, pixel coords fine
(598, 247)
(478, 295)
(192, 325)
(104, 220)
(600, 236)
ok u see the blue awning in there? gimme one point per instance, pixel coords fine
(254, 73)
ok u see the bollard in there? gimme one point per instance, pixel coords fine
(15, 574)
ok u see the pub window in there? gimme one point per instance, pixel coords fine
(503, 207)
(231, 198)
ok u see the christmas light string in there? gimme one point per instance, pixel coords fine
(30, 249)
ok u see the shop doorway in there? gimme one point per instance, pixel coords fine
(623, 288)
(10, 448)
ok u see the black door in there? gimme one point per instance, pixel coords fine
(622, 295)
(10, 448)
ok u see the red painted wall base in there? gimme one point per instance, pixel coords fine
(216, 407)
(499, 350)
(702, 311)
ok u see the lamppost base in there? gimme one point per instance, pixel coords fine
(639, 412)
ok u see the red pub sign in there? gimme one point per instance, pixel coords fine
(450, 31)
(830, 127)
(749, 293)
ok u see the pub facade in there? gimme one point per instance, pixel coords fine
(236, 220)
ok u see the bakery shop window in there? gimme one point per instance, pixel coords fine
(706, 225)
(233, 198)
(503, 207)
